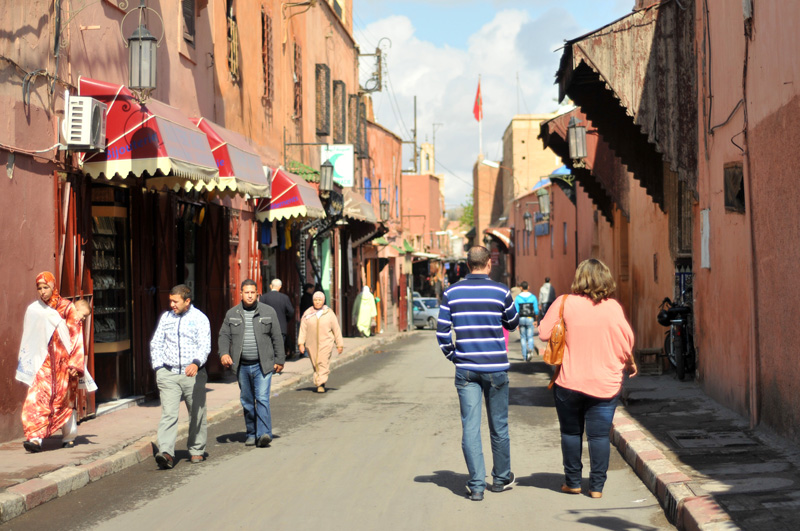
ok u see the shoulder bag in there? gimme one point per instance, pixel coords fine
(554, 352)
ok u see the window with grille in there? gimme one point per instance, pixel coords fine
(298, 82)
(188, 20)
(353, 113)
(678, 198)
(734, 187)
(339, 112)
(266, 56)
(323, 86)
(233, 42)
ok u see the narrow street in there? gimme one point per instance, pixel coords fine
(381, 450)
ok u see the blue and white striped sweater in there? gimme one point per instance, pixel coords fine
(472, 316)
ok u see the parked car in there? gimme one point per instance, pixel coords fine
(423, 316)
(416, 294)
(430, 302)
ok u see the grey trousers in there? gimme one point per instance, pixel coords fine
(172, 388)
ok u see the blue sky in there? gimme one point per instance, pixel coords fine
(437, 49)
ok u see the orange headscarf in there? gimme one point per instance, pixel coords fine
(46, 277)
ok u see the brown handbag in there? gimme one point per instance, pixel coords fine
(554, 352)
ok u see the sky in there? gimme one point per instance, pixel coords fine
(437, 49)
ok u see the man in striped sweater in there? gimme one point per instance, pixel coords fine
(472, 316)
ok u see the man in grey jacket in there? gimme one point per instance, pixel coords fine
(250, 342)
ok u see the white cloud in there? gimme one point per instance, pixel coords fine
(445, 79)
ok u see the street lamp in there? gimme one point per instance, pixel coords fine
(325, 178)
(384, 209)
(142, 62)
(528, 220)
(543, 196)
(576, 138)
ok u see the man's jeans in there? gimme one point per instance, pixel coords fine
(526, 336)
(171, 389)
(494, 388)
(576, 410)
(254, 388)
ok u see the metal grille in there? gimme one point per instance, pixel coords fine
(266, 56)
(298, 82)
(323, 86)
(339, 112)
(233, 49)
(353, 112)
(678, 199)
(362, 131)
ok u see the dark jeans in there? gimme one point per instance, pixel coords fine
(577, 411)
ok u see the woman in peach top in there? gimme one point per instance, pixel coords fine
(599, 343)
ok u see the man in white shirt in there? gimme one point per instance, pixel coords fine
(178, 351)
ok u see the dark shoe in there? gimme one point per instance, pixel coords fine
(570, 490)
(197, 459)
(251, 441)
(165, 461)
(504, 485)
(32, 447)
(474, 495)
(68, 444)
(264, 441)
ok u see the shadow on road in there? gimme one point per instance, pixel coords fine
(454, 482)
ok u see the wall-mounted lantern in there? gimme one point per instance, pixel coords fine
(543, 196)
(528, 220)
(384, 207)
(576, 137)
(142, 61)
(325, 178)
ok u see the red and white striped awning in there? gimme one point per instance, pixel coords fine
(291, 197)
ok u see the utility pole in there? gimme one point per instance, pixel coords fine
(414, 141)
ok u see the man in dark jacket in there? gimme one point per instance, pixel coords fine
(282, 305)
(250, 342)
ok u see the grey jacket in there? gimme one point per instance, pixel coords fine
(268, 337)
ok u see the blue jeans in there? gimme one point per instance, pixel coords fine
(494, 388)
(576, 411)
(526, 336)
(254, 388)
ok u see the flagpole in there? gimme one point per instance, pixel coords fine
(480, 122)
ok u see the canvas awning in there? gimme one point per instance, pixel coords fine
(291, 197)
(240, 168)
(150, 140)
(636, 81)
(503, 234)
(358, 208)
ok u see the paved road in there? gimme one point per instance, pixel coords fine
(381, 450)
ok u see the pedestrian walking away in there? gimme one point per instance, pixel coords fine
(599, 345)
(282, 305)
(51, 360)
(547, 294)
(179, 351)
(319, 332)
(251, 343)
(476, 310)
(528, 309)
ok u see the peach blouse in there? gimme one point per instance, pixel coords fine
(599, 343)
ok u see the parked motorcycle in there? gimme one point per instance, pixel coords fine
(678, 343)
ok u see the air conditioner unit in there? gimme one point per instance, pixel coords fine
(86, 124)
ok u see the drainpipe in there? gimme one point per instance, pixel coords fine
(754, 358)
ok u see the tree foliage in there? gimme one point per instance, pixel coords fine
(467, 219)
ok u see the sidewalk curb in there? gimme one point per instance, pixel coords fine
(23, 497)
(682, 506)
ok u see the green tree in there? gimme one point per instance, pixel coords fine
(467, 219)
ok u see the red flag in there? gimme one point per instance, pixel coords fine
(477, 109)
